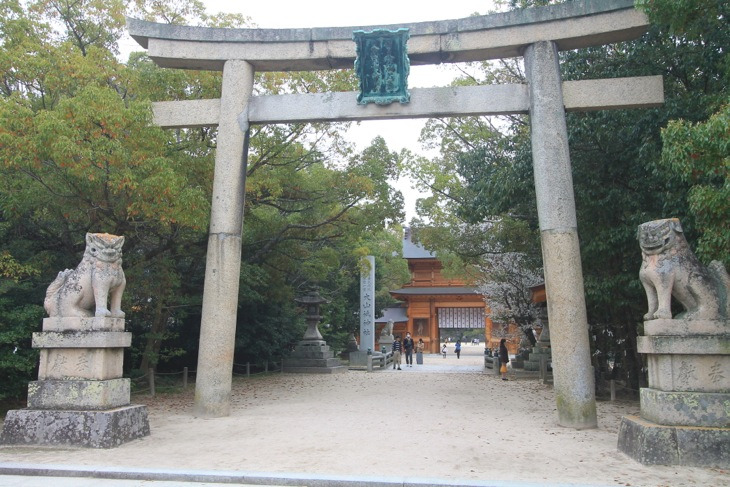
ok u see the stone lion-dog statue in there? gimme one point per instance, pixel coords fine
(387, 330)
(83, 292)
(670, 268)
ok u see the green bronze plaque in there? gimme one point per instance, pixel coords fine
(382, 65)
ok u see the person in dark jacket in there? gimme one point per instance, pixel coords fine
(397, 348)
(503, 358)
(457, 348)
(408, 348)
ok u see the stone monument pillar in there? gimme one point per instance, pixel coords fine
(685, 412)
(367, 305)
(80, 397)
(312, 354)
(367, 313)
(572, 371)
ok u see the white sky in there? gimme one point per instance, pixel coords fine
(342, 13)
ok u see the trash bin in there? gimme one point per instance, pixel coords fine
(419, 358)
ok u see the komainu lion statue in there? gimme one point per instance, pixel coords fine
(387, 330)
(83, 292)
(670, 268)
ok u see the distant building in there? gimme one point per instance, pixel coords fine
(432, 303)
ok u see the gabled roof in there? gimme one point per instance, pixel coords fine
(413, 250)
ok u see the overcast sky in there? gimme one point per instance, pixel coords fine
(338, 13)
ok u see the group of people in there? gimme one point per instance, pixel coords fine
(457, 349)
(407, 346)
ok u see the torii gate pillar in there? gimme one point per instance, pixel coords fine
(223, 265)
(572, 371)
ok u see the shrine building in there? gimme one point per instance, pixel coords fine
(432, 304)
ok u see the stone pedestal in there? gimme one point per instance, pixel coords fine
(685, 411)
(385, 341)
(533, 362)
(541, 349)
(314, 357)
(80, 397)
(359, 358)
(91, 429)
(312, 354)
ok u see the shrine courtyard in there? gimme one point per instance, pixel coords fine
(448, 421)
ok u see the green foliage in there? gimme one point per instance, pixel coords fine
(18, 361)
(79, 153)
(625, 170)
(699, 154)
(693, 18)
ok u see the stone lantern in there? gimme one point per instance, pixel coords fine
(312, 354)
(312, 302)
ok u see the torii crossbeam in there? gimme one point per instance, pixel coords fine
(537, 34)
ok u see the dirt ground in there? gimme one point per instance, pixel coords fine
(448, 419)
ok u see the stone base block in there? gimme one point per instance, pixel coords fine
(686, 408)
(81, 363)
(81, 339)
(89, 429)
(654, 444)
(694, 363)
(79, 394)
(312, 362)
(669, 327)
(97, 323)
(358, 359)
(308, 364)
(314, 370)
(312, 354)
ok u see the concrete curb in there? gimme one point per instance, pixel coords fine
(243, 477)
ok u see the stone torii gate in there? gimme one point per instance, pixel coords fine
(537, 34)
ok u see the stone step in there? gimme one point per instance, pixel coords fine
(307, 354)
(535, 357)
(327, 362)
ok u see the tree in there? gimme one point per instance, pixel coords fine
(695, 149)
(620, 177)
(78, 153)
(17, 360)
(699, 154)
(506, 282)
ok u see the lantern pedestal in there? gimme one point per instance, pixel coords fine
(312, 355)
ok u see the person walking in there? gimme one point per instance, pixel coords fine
(457, 348)
(420, 347)
(397, 348)
(408, 346)
(503, 358)
(443, 350)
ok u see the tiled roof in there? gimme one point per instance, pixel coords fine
(412, 250)
(436, 290)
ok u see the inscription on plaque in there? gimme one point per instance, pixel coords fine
(686, 373)
(382, 66)
(367, 304)
(716, 375)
